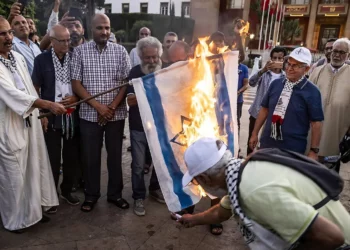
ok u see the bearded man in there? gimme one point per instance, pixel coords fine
(26, 182)
(149, 50)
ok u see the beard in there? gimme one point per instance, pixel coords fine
(148, 68)
(75, 38)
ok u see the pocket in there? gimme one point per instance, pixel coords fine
(16, 133)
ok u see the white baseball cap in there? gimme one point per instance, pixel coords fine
(301, 54)
(200, 156)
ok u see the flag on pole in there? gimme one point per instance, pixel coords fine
(164, 99)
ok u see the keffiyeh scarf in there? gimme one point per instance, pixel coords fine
(10, 63)
(281, 108)
(63, 88)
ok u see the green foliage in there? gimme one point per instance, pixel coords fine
(291, 29)
(120, 35)
(5, 6)
(134, 32)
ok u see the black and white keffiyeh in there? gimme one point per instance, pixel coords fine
(281, 108)
(10, 63)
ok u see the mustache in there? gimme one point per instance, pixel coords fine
(8, 43)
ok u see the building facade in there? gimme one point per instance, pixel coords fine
(147, 6)
(319, 20)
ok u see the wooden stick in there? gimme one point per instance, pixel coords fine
(86, 99)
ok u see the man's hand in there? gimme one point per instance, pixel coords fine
(67, 21)
(68, 100)
(268, 66)
(131, 100)
(313, 155)
(44, 124)
(253, 141)
(106, 112)
(101, 121)
(187, 220)
(57, 108)
(14, 11)
(57, 6)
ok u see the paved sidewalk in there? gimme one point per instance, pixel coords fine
(108, 227)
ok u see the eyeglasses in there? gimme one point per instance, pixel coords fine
(5, 33)
(339, 52)
(295, 66)
(62, 41)
(144, 34)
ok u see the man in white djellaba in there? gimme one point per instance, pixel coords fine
(26, 182)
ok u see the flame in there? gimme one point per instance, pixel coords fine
(201, 191)
(245, 28)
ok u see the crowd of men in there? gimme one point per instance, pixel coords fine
(307, 115)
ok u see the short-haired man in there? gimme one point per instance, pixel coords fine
(149, 50)
(217, 41)
(289, 107)
(25, 174)
(51, 78)
(273, 195)
(262, 79)
(168, 40)
(32, 28)
(333, 82)
(327, 55)
(21, 42)
(134, 57)
(97, 66)
(179, 51)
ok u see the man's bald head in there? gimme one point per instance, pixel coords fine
(20, 26)
(5, 40)
(101, 29)
(144, 32)
(57, 30)
(179, 51)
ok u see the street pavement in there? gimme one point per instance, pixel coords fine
(108, 227)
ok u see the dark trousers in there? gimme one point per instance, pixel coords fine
(69, 151)
(252, 121)
(239, 115)
(139, 148)
(91, 140)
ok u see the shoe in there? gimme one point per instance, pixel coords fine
(157, 195)
(139, 208)
(45, 219)
(71, 200)
(52, 210)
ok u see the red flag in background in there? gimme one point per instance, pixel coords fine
(273, 9)
(264, 4)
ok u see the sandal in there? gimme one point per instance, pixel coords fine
(216, 229)
(121, 203)
(87, 206)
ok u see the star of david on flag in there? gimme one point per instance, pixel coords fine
(164, 99)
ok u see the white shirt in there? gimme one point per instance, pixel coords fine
(274, 76)
(134, 58)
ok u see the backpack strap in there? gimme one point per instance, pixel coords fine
(322, 203)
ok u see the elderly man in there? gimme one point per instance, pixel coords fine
(263, 78)
(289, 107)
(134, 57)
(168, 40)
(26, 182)
(274, 195)
(51, 78)
(98, 66)
(333, 82)
(21, 42)
(149, 50)
(327, 55)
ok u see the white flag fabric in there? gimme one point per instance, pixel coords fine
(164, 100)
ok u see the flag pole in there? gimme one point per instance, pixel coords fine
(261, 26)
(272, 15)
(281, 22)
(277, 22)
(267, 24)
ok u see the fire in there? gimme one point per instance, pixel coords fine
(202, 192)
(245, 28)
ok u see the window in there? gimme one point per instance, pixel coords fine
(108, 8)
(144, 8)
(235, 4)
(164, 8)
(299, 2)
(125, 8)
(186, 9)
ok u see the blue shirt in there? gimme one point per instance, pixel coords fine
(242, 74)
(28, 52)
(305, 106)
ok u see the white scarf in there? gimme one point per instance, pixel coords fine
(281, 108)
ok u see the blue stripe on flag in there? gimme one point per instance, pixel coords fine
(155, 102)
(224, 97)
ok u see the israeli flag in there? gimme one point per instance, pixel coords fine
(164, 100)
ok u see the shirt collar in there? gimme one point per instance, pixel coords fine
(95, 45)
(334, 70)
(282, 73)
(17, 40)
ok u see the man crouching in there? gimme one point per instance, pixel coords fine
(267, 197)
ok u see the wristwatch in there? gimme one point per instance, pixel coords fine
(315, 150)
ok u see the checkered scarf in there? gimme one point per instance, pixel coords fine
(10, 63)
(62, 77)
(281, 108)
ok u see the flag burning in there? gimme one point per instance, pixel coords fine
(181, 104)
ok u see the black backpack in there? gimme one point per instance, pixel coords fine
(329, 181)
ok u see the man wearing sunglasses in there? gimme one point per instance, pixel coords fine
(333, 81)
(51, 78)
(289, 107)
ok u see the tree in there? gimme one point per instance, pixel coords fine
(172, 15)
(291, 29)
(120, 35)
(5, 6)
